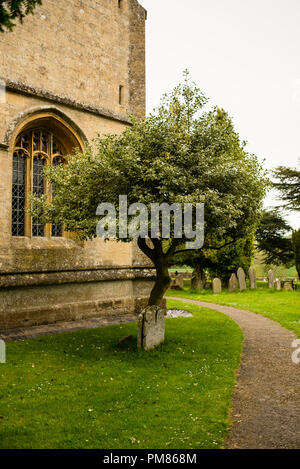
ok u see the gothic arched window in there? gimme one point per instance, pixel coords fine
(33, 150)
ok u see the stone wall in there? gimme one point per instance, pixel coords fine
(68, 62)
(34, 299)
(81, 50)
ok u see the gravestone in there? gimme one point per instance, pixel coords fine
(2, 351)
(197, 283)
(217, 286)
(287, 287)
(252, 277)
(278, 284)
(232, 284)
(242, 279)
(177, 282)
(180, 279)
(151, 328)
(271, 278)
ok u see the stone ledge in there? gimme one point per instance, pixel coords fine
(49, 314)
(29, 90)
(67, 277)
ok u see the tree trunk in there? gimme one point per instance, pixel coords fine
(161, 263)
(198, 278)
(162, 282)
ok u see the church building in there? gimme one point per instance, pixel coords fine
(70, 71)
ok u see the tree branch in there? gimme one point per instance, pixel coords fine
(214, 248)
(146, 249)
(173, 247)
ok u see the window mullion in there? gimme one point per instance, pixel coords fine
(47, 185)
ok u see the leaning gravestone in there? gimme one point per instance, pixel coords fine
(217, 286)
(252, 277)
(232, 285)
(278, 284)
(271, 278)
(151, 328)
(242, 279)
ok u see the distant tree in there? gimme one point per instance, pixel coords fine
(11, 10)
(197, 260)
(219, 262)
(288, 184)
(227, 261)
(273, 239)
(296, 246)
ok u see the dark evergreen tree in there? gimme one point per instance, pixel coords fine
(218, 261)
(273, 239)
(296, 246)
(288, 184)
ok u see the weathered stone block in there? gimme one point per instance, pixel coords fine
(242, 279)
(287, 287)
(271, 278)
(217, 286)
(278, 284)
(177, 283)
(252, 277)
(232, 284)
(151, 328)
(197, 283)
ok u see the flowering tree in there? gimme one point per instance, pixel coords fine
(179, 154)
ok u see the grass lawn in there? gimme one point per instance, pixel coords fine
(81, 390)
(281, 306)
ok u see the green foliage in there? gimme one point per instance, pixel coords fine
(272, 239)
(288, 184)
(296, 247)
(172, 156)
(179, 154)
(11, 10)
(220, 262)
(227, 260)
(81, 390)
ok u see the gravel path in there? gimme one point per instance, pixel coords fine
(266, 402)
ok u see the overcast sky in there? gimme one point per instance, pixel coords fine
(245, 55)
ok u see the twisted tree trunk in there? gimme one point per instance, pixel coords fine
(198, 278)
(162, 282)
(161, 263)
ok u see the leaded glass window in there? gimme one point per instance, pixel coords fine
(38, 189)
(18, 194)
(56, 229)
(33, 151)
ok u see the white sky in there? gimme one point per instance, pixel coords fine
(245, 56)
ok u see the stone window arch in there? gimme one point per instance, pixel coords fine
(42, 142)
